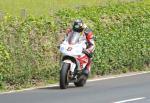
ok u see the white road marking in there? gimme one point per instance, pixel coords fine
(92, 80)
(130, 100)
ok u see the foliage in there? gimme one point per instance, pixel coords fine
(28, 51)
(122, 35)
(48, 7)
(28, 46)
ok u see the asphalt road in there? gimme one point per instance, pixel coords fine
(132, 89)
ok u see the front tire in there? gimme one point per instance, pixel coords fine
(64, 76)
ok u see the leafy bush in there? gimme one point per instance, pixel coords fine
(122, 35)
(31, 47)
(28, 52)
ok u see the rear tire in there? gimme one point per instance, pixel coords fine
(64, 76)
(81, 82)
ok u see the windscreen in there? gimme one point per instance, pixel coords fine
(73, 38)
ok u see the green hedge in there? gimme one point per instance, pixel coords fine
(28, 51)
(122, 35)
(28, 47)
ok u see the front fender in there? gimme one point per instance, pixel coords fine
(71, 61)
(72, 65)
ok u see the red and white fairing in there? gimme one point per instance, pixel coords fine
(73, 46)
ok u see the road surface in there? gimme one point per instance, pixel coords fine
(130, 89)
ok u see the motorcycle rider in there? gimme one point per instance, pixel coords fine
(79, 26)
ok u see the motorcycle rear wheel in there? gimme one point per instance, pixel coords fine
(81, 82)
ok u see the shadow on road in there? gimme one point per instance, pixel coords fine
(57, 88)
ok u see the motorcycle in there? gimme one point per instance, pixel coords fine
(73, 61)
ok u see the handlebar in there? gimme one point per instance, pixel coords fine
(86, 53)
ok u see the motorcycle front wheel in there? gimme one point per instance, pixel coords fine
(64, 76)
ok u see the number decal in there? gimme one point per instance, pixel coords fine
(69, 49)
